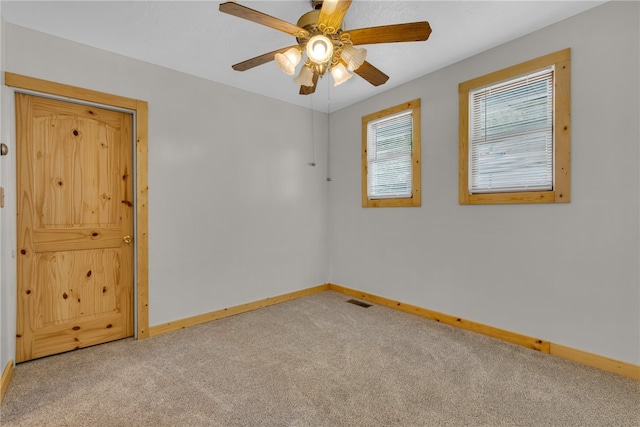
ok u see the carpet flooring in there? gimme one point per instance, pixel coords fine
(316, 361)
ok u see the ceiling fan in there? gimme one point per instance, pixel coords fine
(328, 47)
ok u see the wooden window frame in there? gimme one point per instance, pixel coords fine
(561, 192)
(416, 180)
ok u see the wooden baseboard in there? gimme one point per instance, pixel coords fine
(7, 374)
(512, 337)
(595, 361)
(231, 311)
(604, 363)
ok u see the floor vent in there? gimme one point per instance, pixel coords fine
(360, 303)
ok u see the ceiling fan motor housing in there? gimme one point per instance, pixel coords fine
(309, 20)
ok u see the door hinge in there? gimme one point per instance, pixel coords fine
(1, 197)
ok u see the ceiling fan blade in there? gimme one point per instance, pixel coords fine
(332, 13)
(308, 90)
(409, 32)
(371, 74)
(259, 60)
(233, 8)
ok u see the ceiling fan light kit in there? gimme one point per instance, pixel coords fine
(353, 56)
(305, 78)
(340, 74)
(287, 61)
(327, 45)
(319, 49)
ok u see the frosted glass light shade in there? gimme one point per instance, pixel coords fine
(305, 78)
(340, 74)
(319, 49)
(287, 61)
(354, 57)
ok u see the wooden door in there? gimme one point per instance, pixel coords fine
(75, 224)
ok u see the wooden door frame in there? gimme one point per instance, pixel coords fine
(141, 239)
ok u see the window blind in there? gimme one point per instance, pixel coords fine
(511, 135)
(389, 145)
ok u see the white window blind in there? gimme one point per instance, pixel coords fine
(511, 135)
(389, 145)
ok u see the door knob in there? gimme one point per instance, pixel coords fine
(127, 239)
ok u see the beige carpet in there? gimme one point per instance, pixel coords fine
(316, 361)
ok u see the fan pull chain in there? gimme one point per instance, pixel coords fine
(328, 132)
(313, 135)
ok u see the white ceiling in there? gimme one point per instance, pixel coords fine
(196, 38)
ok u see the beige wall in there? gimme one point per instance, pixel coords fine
(236, 214)
(565, 273)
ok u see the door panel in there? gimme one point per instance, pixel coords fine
(75, 271)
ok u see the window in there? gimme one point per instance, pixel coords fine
(391, 156)
(514, 141)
